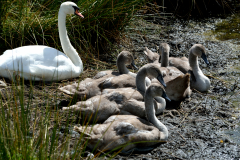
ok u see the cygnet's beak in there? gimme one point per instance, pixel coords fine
(134, 66)
(160, 79)
(204, 57)
(164, 95)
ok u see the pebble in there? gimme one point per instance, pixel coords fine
(181, 154)
(2, 84)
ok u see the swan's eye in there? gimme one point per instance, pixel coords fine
(76, 12)
(75, 8)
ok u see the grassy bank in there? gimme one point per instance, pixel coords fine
(32, 123)
(35, 22)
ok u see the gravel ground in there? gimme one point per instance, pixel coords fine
(206, 126)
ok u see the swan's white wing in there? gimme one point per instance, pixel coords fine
(38, 61)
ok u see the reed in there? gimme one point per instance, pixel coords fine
(33, 126)
(35, 22)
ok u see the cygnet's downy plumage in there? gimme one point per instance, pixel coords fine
(152, 57)
(198, 80)
(119, 130)
(105, 79)
(178, 84)
(121, 100)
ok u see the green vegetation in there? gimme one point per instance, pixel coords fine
(35, 22)
(32, 123)
(33, 126)
(228, 29)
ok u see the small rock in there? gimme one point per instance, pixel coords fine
(90, 156)
(181, 153)
(224, 114)
(153, 49)
(2, 84)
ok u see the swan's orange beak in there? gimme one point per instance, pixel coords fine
(78, 13)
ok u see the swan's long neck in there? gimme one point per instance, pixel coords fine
(121, 66)
(164, 59)
(202, 82)
(65, 42)
(193, 62)
(150, 113)
(140, 81)
(159, 104)
(122, 69)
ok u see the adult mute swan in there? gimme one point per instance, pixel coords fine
(39, 62)
(118, 130)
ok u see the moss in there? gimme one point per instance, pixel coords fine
(228, 29)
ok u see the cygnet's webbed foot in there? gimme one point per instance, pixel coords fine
(71, 89)
(79, 92)
(171, 113)
(93, 138)
(100, 75)
(74, 108)
(80, 130)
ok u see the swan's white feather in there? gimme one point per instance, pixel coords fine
(41, 62)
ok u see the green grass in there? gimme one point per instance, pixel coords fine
(33, 126)
(35, 22)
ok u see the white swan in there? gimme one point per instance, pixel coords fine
(39, 62)
(119, 130)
